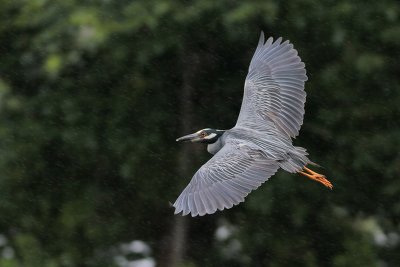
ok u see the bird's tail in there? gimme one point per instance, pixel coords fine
(296, 160)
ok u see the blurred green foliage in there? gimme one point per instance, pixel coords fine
(90, 97)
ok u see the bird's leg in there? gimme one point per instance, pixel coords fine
(316, 177)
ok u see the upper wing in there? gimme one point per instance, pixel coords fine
(274, 88)
(225, 180)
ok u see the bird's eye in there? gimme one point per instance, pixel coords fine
(203, 134)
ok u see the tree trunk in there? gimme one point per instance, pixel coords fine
(176, 241)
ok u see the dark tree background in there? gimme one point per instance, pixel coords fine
(94, 93)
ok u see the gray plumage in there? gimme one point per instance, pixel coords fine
(261, 141)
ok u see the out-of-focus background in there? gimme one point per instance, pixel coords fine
(93, 95)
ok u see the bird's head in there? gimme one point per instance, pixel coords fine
(207, 136)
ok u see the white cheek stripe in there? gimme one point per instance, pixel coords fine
(211, 136)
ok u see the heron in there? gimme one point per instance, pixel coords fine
(260, 143)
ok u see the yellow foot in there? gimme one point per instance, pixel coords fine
(316, 177)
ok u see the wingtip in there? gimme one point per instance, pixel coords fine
(261, 41)
(177, 211)
(269, 41)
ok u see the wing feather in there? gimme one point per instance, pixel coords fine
(225, 180)
(274, 89)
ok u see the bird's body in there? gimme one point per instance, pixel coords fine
(261, 141)
(271, 144)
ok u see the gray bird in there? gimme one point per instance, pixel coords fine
(261, 142)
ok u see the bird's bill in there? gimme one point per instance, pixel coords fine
(190, 137)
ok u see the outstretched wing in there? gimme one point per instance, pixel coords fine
(225, 180)
(274, 89)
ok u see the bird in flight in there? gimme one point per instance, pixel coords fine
(261, 142)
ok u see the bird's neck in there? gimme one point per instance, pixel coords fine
(215, 147)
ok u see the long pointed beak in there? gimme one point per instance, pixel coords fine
(187, 138)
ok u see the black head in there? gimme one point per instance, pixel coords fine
(207, 136)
